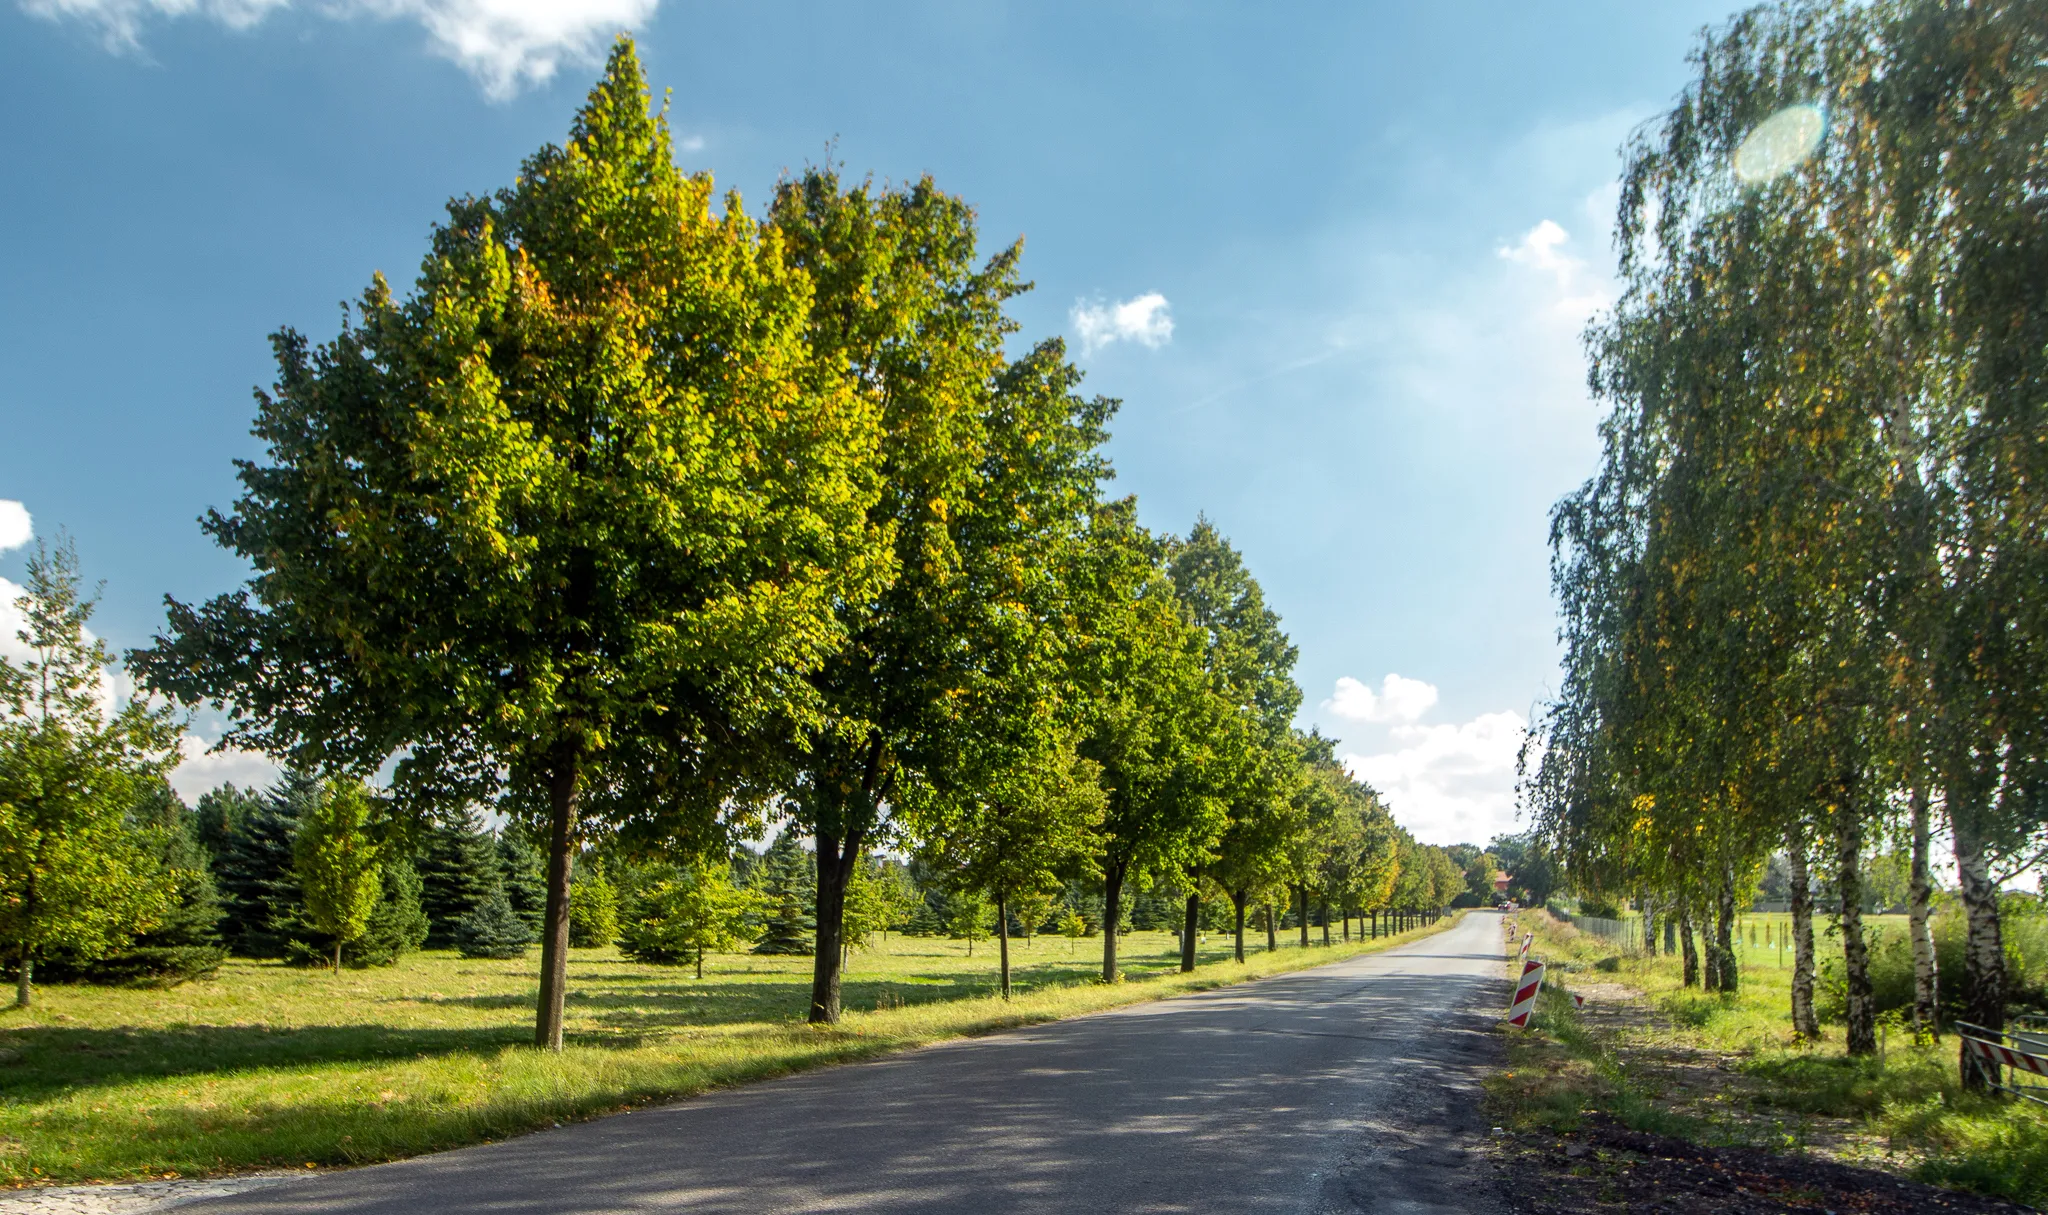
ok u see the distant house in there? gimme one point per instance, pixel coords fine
(1500, 881)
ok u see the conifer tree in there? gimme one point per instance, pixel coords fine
(523, 872)
(338, 855)
(784, 884)
(492, 930)
(458, 866)
(255, 873)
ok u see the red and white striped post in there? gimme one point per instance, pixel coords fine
(1525, 995)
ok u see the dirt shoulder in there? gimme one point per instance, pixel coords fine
(1614, 1101)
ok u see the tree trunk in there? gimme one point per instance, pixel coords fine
(700, 959)
(1187, 936)
(565, 794)
(337, 957)
(1710, 958)
(836, 860)
(1983, 947)
(1326, 922)
(1112, 912)
(1003, 939)
(1302, 894)
(1692, 957)
(1237, 902)
(1926, 983)
(1862, 1009)
(1649, 908)
(1724, 934)
(1805, 1021)
(24, 979)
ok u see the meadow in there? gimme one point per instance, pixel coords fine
(267, 1066)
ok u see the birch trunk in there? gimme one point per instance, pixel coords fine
(1724, 935)
(1685, 945)
(1926, 983)
(1984, 947)
(1805, 1023)
(1862, 1009)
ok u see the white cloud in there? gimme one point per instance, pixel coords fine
(202, 770)
(1146, 319)
(12, 622)
(1399, 699)
(1579, 292)
(505, 44)
(1449, 784)
(15, 525)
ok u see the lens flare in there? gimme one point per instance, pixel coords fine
(1779, 143)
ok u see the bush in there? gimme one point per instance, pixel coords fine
(1465, 898)
(593, 911)
(493, 930)
(397, 927)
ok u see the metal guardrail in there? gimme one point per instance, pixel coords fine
(2021, 1053)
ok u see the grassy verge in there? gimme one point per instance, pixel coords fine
(269, 1066)
(1725, 1070)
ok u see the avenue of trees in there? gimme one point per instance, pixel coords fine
(1802, 595)
(647, 527)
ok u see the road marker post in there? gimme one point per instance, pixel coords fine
(1525, 995)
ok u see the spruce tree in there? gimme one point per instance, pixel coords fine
(492, 929)
(782, 880)
(459, 866)
(523, 871)
(255, 874)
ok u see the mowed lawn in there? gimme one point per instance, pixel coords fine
(267, 1065)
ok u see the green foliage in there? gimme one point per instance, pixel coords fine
(680, 920)
(255, 870)
(492, 930)
(186, 943)
(523, 871)
(784, 884)
(880, 897)
(338, 858)
(593, 908)
(583, 499)
(459, 867)
(77, 877)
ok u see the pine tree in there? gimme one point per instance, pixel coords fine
(523, 871)
(459, 866)
(928, 917)
(492, 929)
(782, 882)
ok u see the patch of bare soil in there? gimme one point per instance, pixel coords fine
(1605, 1167)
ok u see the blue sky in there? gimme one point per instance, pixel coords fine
(1333, 259)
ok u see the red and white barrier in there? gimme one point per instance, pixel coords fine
(1997, 1055)
(1526, 942)
(1525, 995)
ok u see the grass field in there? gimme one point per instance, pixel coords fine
(1725, 1069)
(268, 1065)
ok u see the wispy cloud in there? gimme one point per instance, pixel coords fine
(1146, 319)
(506, 45)
(1578, 291)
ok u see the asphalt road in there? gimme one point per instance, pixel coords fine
(1350, 1087)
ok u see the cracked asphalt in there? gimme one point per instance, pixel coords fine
(1350, 1087)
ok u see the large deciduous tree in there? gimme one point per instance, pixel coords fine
(566, 526)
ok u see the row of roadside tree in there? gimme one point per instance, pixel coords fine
(649, 525)
(1802, 596)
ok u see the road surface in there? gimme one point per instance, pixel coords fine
(1350, 1087)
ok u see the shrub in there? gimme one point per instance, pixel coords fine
(593, 911)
